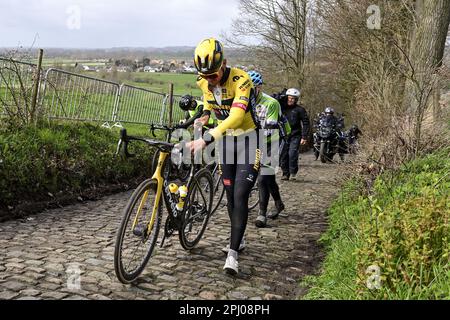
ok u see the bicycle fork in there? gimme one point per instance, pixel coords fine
(158, 177)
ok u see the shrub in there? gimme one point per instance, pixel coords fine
(391, 243)
(36, 163)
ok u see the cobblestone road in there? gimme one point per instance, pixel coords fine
(40, 256)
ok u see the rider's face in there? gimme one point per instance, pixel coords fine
(215, 78)
(258, 90)
(291, 101)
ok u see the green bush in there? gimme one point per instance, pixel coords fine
(37, 163)
(393, 243)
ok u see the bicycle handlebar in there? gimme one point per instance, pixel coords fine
(125, 139)
(158, 127)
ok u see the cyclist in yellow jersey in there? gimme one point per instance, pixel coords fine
(229, 93)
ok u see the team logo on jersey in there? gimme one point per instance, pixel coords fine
(247, 84)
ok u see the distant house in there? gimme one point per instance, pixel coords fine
(152, 69)
(124, 69)
(86, 68)
(189, 69)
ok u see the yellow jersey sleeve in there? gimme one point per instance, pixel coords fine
(234, 121)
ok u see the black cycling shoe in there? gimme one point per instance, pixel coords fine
(261, 220)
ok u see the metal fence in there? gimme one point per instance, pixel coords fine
(70, 96)
(140, 106)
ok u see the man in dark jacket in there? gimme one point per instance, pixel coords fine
(300, 125)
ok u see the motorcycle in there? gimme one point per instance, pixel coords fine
(327, 140)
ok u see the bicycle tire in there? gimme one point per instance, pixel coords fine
(253, 199)
(123, 274)
(219, 192)
(190, 216)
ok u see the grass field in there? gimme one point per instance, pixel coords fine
(159, 82)
(183, 83)
(79, 99)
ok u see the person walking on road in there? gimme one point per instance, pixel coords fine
(300, 125)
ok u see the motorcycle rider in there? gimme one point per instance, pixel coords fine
(338, 124)
(300, 125)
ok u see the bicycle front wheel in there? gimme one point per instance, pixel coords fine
(197, 209)
(138, 232)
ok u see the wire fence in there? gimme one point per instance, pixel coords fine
(65, 95)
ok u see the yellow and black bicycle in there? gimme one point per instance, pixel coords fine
(188, 207)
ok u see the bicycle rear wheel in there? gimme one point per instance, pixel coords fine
(197, 209)
(253, 198)
(138, 232)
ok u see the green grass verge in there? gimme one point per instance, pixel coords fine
(391, 244)
(38, 163)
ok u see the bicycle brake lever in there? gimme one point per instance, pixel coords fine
(152, 130)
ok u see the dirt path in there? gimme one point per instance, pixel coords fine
(40, 255)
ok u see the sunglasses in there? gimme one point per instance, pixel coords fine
(213, 76)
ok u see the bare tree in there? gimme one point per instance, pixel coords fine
(274, 32)
(429, 35)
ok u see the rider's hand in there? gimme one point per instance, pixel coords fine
(198, 124)
(197, 145)
(304, 142)
(204, 120)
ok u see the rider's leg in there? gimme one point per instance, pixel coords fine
(294, 153)
(264, 197)
(284, 158)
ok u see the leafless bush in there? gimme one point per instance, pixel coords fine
(17, 79)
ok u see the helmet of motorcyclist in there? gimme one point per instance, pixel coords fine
(187, 103)
(256, 77)
(329, 111)
(208, 57)
(293, 93)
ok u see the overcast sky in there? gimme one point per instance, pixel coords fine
(113, 23)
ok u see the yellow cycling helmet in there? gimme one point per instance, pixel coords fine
(208, 56)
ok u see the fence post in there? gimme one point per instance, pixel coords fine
(117, 105)
(170, 104)
(37, 81)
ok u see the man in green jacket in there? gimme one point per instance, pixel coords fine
(275, 128)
